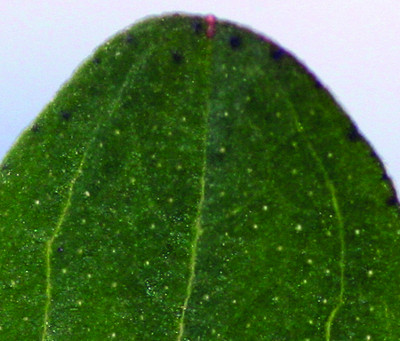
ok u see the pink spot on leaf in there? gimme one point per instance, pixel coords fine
(210, 21)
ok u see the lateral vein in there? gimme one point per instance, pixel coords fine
(336, 208)
(49, 246)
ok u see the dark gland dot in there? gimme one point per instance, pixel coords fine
(235, 42)
(129, 38)
(318, 84)
(354, 134)
(5, 166)
(385, 176)
(177, 57)
(392, 201)
(60, 249)
(374, 154)
(65, 115)
(96, 60)
(197, 27)
(35, 128)
(277, 53)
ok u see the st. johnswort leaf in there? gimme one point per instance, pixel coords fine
(193, 181)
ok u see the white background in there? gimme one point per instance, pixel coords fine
(352, 46)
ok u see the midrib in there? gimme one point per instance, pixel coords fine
(197, 228)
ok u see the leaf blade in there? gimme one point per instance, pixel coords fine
(206, 187)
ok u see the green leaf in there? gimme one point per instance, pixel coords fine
(193, 181)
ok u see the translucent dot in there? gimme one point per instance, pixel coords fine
(37, 202)
(370, 273)
(113, 335)
(64, 271)
(87, 193)
(147, 262)
(357, 232)
(101, 144)
(222, 150)
(234, 301)
(25, 318)
(117, 132)
(226, 114)
(298, 227)
(79, 251)
(309, 261)
(255, 226)
(114, 284)
(265, 207)
(89, 275)
(206, 297)
(280, 248)
(79, 302)
(170, 200)
(368, 337)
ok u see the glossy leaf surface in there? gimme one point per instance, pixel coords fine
(193, 181)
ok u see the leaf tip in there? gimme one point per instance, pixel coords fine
(211, 21)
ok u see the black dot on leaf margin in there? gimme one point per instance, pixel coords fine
(392, 201)
(66, 115)
(197, 26)
(177, 57)
(235, 42)
(129, 38)
(318, 84)
(354, 134)
(35, 128)
(5, 166)
(277, 53)
(385, 176)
